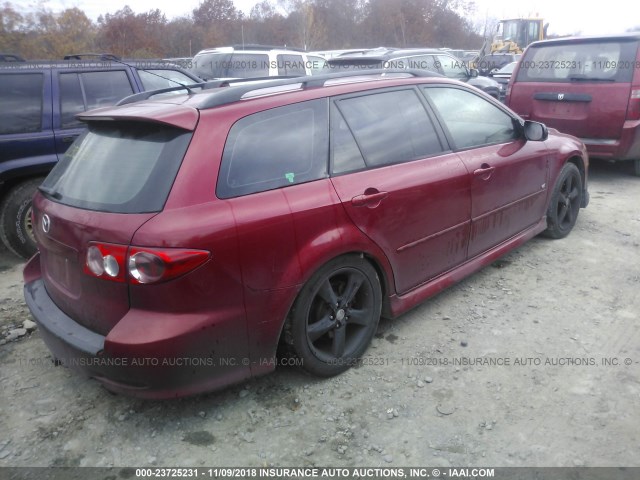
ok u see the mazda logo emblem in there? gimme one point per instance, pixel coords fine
(561, 96)
(46, 223)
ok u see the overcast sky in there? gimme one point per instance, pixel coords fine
(564, 16)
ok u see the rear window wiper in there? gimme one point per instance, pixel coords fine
(50, 192)
(580, 78)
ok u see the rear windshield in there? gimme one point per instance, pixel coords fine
(124, 167)
(602, 61)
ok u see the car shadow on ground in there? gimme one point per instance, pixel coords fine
(608, 169)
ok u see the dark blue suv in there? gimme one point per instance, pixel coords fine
(38, 104)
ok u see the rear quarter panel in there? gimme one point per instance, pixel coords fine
(264, 246)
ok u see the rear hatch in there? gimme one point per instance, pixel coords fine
(579, 86)
(112, 180)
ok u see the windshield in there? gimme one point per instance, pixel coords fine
(123, 167)
(508, 68)
(566, 62)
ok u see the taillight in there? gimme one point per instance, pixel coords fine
(152, 265)
(140, 265)
(107, 261)
(633, 110)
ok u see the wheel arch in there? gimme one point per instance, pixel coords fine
(579, 162)
(582, 168)
(385, 286)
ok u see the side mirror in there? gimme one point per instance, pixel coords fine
(473, 72)
(535, 131)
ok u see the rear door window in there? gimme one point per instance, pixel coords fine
(71, 100)
(119, 167)
(105, 88)
(471, 120)
(21, 103)
(248, 65)
(211, 65)
(83, 91)
(291, 65)
(276, 148)
(602, 61)
(390, 127)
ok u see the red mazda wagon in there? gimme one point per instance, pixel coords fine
(185, 237)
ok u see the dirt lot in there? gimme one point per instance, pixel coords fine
(548, 330)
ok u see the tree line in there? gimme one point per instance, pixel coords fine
(307, 24)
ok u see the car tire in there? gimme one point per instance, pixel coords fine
(566, 200)
(636, 167)
(336, 315)
(16, 230)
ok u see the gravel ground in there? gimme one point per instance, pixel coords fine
(522, 364)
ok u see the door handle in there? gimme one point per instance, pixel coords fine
(484, 172)
(371, 198)
(69, 138)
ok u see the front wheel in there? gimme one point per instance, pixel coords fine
(336, 315)
(566, 199)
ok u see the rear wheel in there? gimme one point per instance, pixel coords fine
(565, 202)
(16, 229)
(336, 315)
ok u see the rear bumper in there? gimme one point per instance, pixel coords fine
(627, 147)
(172, 367)
(58, 325)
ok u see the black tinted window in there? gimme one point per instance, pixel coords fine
(471, 120)
(98, 89)
(390, 127)
(291, 65)
(71, 99)
(275, 148)
(105, 88)
(122, 167)
(20, 103)
(608, 61)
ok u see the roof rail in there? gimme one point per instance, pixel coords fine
(101, 56)
(230, 95)
(268, 84)
(137, 97)
(227, 82)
